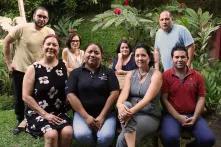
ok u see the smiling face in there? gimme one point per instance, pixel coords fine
(93, 56)
(142, 59)
(50, 47)
(165, 21)
(40, 18)
(75, 42)
(124, 49)
(180, 59)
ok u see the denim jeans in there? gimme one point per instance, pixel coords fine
(102, 138)
(171, 128)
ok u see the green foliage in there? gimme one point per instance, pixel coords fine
(108, 38)
(64, 25)
(212, 76)
(5, 81)
(6, 102)
(130, 19)
(201, 26)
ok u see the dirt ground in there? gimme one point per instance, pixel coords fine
(214, 122)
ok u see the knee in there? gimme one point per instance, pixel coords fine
(83, 137)
(105, 138)
(208, 141)
(67, 132)
(51, 135)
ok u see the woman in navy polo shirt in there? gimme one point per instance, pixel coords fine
(92, 90)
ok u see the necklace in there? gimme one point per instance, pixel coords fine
(142, 75)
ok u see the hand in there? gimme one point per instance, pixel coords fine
(90, 121)
(11, 67)
(124, 113)
(182, 119)
(190, 121)
(99, 122)
(53, 119)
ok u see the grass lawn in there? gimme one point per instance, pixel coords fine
(7, 139)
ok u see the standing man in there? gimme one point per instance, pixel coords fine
(28, 40)
(183, 95)
(167, 37)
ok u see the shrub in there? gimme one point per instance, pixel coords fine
(5, 81)
(6, 102)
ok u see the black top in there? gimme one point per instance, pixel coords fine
(92, 89)
(49, 93)
(131, 65)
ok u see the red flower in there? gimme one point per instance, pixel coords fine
(117, 11)
(126, 2)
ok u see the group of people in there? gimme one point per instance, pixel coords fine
(49, 87)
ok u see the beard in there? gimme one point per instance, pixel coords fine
(39, 24)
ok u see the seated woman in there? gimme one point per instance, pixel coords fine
(92, 90)
(72, 55)
(45, 97)
(138, 104)
(124, 61)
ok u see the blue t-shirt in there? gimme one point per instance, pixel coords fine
(165, 42)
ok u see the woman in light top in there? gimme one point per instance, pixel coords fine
(72, 55)
(124, 61)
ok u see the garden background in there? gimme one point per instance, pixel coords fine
(106, 22)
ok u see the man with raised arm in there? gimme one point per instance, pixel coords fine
(28, 40)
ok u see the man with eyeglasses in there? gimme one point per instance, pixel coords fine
(167, 37)
(27, 39)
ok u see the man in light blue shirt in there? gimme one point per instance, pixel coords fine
(167, 37)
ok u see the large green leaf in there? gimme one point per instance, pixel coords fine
(109, 23)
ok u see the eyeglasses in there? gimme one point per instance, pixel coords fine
(42, 16)
(75, 40)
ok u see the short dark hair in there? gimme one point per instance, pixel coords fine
(71, 35)
(123, 41)
(148, 50)
(40, 8)
(97, 44)
(179, 47)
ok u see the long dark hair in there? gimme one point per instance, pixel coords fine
(148, 50)
(123, 41)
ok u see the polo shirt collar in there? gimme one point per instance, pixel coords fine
(84, 68)
(189, 72)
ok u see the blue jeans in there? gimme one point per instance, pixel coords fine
(171, 128)
(85, 136)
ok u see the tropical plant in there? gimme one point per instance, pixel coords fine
(201, 25)
(65, 24)
(127, 17)
(212, 75)
(5, 81)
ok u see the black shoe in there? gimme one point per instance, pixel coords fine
(16, 131)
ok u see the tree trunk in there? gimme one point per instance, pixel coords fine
(21, 9)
